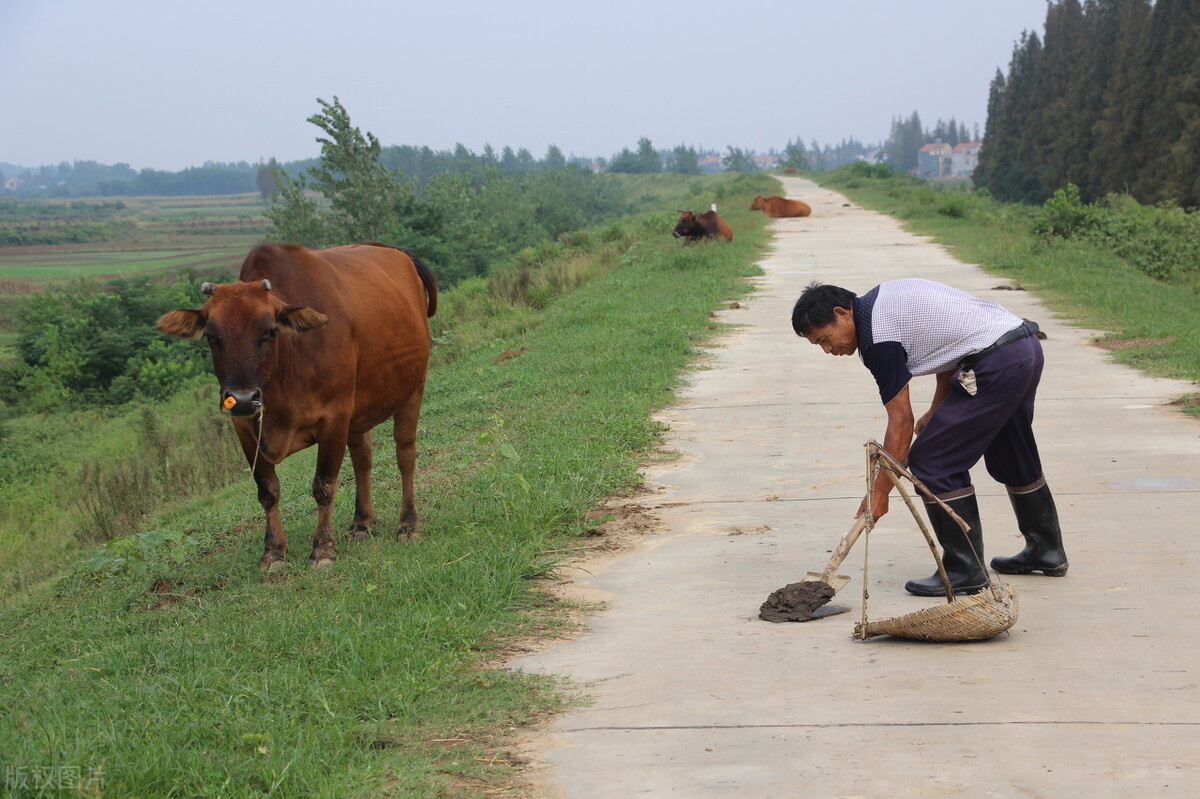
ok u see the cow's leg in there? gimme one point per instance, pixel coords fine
(324, 487)
(364, 508)
(274, 541)
(405, 430)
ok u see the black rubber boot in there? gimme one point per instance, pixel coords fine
(962, 552)
(1037, 519)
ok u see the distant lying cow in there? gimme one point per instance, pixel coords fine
(707, 225)
(780, 207)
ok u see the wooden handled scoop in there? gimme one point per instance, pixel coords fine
(839, 554)
(805, 600)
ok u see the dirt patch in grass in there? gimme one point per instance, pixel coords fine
(1190, 403)
(1120, 344)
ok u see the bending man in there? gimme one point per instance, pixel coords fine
(988, 363)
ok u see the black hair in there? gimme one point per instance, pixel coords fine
(816, 304)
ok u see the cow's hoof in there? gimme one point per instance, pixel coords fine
(358, 532)
(321, 563)
(272, 562)
(408, 534)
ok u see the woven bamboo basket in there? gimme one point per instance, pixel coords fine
(970, 618)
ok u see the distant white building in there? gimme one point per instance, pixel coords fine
(964, 158)
(766, 162)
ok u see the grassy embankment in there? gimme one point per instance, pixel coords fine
(1150, 324)
(180, 669)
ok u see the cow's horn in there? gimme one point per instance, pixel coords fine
(266, 284)
(207, 288)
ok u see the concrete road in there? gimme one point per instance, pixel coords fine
(1096, 690)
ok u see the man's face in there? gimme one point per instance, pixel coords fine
(838, 338)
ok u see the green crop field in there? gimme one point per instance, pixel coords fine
(55, 241)
(51, 240)
(60, 265)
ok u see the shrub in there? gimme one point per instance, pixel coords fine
(1064, 215)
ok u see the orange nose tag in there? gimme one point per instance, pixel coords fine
(229, 403)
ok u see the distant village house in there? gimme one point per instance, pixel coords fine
(933, 160)
(964, 158)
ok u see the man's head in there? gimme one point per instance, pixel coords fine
(824, 315)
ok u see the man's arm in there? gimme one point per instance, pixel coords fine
(939, 394)
(896, 440)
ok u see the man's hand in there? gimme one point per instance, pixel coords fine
(879, 505)
(924, 420)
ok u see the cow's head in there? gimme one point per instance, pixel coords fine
(686, 226)
(757, 203)
(242, 322)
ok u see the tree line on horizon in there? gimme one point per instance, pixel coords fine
(92, 179)
(1108, 99)
(422, 164)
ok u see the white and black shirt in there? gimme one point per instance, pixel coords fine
(912, 327)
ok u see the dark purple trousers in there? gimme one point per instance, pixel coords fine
(995, 424)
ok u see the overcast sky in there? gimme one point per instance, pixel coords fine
(167, 85)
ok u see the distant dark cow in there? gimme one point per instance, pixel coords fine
(318, 347)
(780, 207)
(707, 225)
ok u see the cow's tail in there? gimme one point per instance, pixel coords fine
(430, 281)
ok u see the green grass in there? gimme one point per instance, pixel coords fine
(188, 672)
(56, 266)
(1152, 325)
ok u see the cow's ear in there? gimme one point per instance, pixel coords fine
(182, 322)
(301, 319)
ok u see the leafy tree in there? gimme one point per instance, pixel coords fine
(554, 158)
(1171, 134)
(737, 160)
(76, 345)
(795, 156)
(362, 193)
(1108, 100)
(295, 215)
(268, 184)
(906, 140)
(626, 162)
(649, 162)
(684, 161)
(508, 159)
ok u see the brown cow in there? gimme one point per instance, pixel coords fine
(694, 227)
(780, 207)
(318, 347)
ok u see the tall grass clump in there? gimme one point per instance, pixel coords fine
(123, 481)
(83, 477)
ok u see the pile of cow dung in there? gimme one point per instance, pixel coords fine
(802, 601)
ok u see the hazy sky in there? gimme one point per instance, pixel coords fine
(167, 85)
